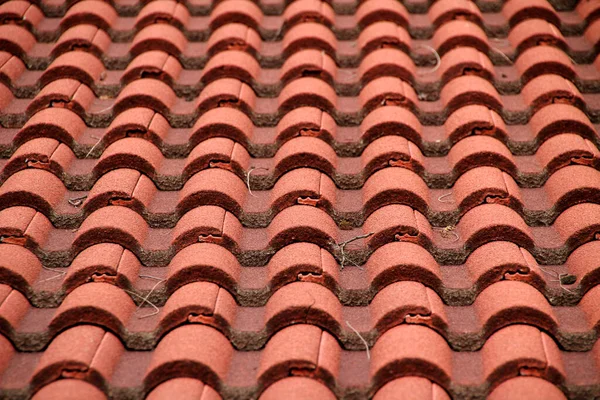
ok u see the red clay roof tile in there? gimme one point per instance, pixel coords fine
(240, 11)
(524, 387)
(295, 387)
(183, 388)
(91, 12)
(370, 12)
(444, 11)
(83, 37)
(69, 389)
(327, 199)
(163, 11)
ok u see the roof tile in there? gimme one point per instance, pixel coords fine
(327, 199)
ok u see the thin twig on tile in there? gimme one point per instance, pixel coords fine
(155, 278)
(279, 31)
(361, 338)
(309, 307)
(548, 272)
(353, 263)
(345, 258)
(93, 147)
(443, 197)
(144, 300)
(449, 231)
(567, 279)
(77, 201)
(564, 288)
(342, 248)
(252, 169)
(438, 60)
(347, 242)
(497, 50)
(151, 291)
(58, 272)
(498, 39)
(104, 109)
(562, 279)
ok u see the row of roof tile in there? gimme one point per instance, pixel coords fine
(555, 75)
(457, 285)
(45, 192)
(215, 254)
(221, 11)
(106, 17)
(390, 124)
(18, 41)
(410, 388)
(465, 328)
(304, 92)
(396, 222)
(91, 354)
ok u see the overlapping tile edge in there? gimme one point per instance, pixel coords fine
(232, 199)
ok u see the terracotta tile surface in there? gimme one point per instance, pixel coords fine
(270, 199)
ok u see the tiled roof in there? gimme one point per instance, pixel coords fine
(303, 200)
